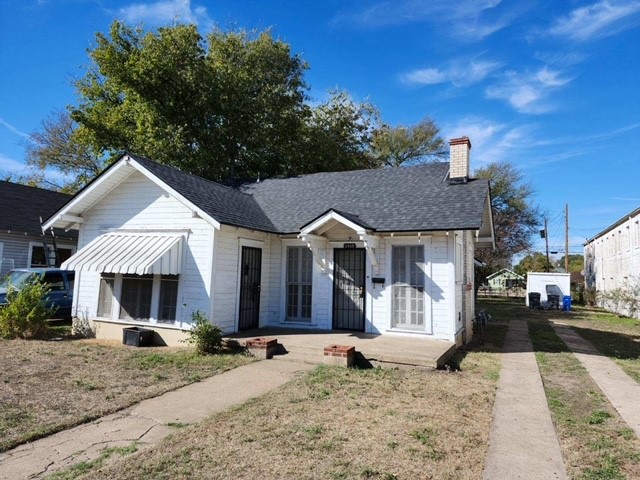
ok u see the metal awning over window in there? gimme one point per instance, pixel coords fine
(134, 253)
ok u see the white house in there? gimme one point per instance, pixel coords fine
(380, 251)
(612, 257)
(504, 279)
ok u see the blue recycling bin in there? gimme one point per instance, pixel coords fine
(566, 303)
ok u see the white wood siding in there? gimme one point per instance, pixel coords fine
(137, 203)
(226, 287)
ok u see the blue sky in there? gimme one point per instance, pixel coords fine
(553, 87)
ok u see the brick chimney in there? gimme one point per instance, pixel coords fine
(459, 149)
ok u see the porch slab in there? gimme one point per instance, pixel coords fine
(371, 350)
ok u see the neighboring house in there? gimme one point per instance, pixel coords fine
(21, 241)
(377, 251)
(612, 257)
(505, 278)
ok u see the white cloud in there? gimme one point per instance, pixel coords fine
(459, 73)
(528, 92)
(13, 129)
(491, 141)
(165, 12)
(598, 20)
(9, 165)
(465, 19)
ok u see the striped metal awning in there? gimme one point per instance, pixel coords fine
(134, 253)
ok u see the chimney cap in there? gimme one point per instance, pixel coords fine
(460, 141)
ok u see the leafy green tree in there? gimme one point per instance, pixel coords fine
(400, 145)
(576, 262)
(338, 136)
(515, 217)
(535, 262)
(228, 106)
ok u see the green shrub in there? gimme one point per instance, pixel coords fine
(25, 314)
(204, 335)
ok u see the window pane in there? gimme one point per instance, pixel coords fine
(38, 258)
(299, 280)
(54, 281)
(408, 287)
(105, 297)
(168, 298)
(136, 297)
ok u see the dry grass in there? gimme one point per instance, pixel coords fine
(48, 386)
(341, 423)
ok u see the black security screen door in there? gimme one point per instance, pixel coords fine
(348, 288)
(250, 288)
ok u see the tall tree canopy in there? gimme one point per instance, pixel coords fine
(226, 106)
(515, 217)
(396, 146)
(230, 105)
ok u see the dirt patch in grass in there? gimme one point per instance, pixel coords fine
(339, 423)
(47, 386)
(595, 441)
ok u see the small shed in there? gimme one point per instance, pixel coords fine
(551, 283)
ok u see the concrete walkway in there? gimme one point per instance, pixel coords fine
(523, 442)
(622, 391)
(146, 422)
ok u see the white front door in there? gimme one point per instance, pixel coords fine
(408, 292)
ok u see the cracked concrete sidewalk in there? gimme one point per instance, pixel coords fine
(146, 422)
(523, 442)
(622, 391)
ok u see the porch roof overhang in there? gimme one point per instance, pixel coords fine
(130, 252)
(485, 235)
(311, 233)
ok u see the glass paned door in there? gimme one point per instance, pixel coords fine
(408, 303)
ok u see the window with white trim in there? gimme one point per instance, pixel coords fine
(138, 297)
(408, 303)
(135, 298)
(168, 298)
(299, 283)
(39, 258)
(105, 295)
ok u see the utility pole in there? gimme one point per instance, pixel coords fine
(546, 240)
(566, 237)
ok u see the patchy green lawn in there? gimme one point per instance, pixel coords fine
(47, 386)
(615, 337)
(339, 423)
(596, 443)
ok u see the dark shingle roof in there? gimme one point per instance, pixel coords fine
(389, 199)
(415, 198)
(22, 206)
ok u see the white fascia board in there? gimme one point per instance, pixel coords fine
(175, 194)
(69, 207)
(332, 215)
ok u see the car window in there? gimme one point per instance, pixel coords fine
(54, 280)
(71, 276)
(15, 278)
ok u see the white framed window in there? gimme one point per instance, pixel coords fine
(168, 298)
(105, 295)
(299, 284)
(408, 279)
(135, 297)
(139, 298)
(38, 257)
